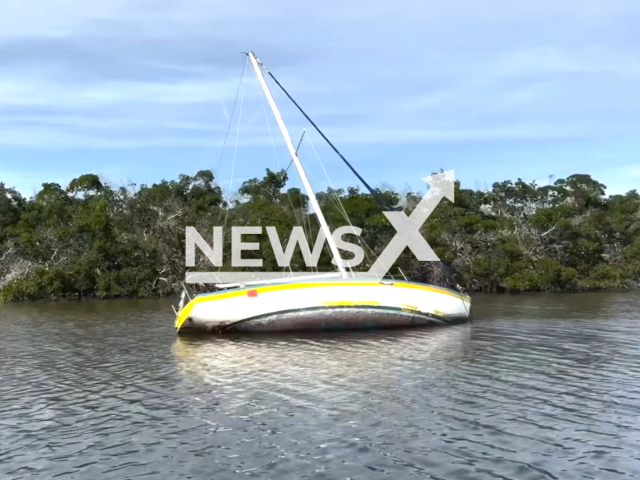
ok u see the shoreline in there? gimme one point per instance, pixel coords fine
(96, 298)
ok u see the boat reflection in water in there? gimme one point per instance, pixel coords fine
(303, 368)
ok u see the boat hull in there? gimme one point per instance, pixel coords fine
(324, 319)
(323, 306)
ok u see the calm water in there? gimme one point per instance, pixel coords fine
(538, 387)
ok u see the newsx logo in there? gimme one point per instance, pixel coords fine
(407, 235)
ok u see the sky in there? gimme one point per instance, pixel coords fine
(140, 91)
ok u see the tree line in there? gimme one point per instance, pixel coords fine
(93, 239)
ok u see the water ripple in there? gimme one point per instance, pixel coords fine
(538, 387)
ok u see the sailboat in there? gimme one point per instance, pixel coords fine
(341, 300)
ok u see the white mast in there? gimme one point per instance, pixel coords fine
(312, 198)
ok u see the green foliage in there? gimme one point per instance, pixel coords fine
(91, 239)
(11, 205)
(43, 283)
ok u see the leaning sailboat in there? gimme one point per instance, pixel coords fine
(329, 301)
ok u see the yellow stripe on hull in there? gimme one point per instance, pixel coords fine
(334, 293)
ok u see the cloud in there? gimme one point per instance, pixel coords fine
(123, 74)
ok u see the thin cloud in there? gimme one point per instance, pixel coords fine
(122, 74)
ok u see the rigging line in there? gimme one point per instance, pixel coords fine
(337, 201)
(325, 244)
(308, 223)
(243, 75)
(312, 241)
(319, 214)
(275, 152)
(226, 137)
(381, 202)
(307, 234)
(235, 152)
(300, 197)
(302, 210)
(235, 149)
(297, 148)
(273, 143)
(266, 116)
(233, 109)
